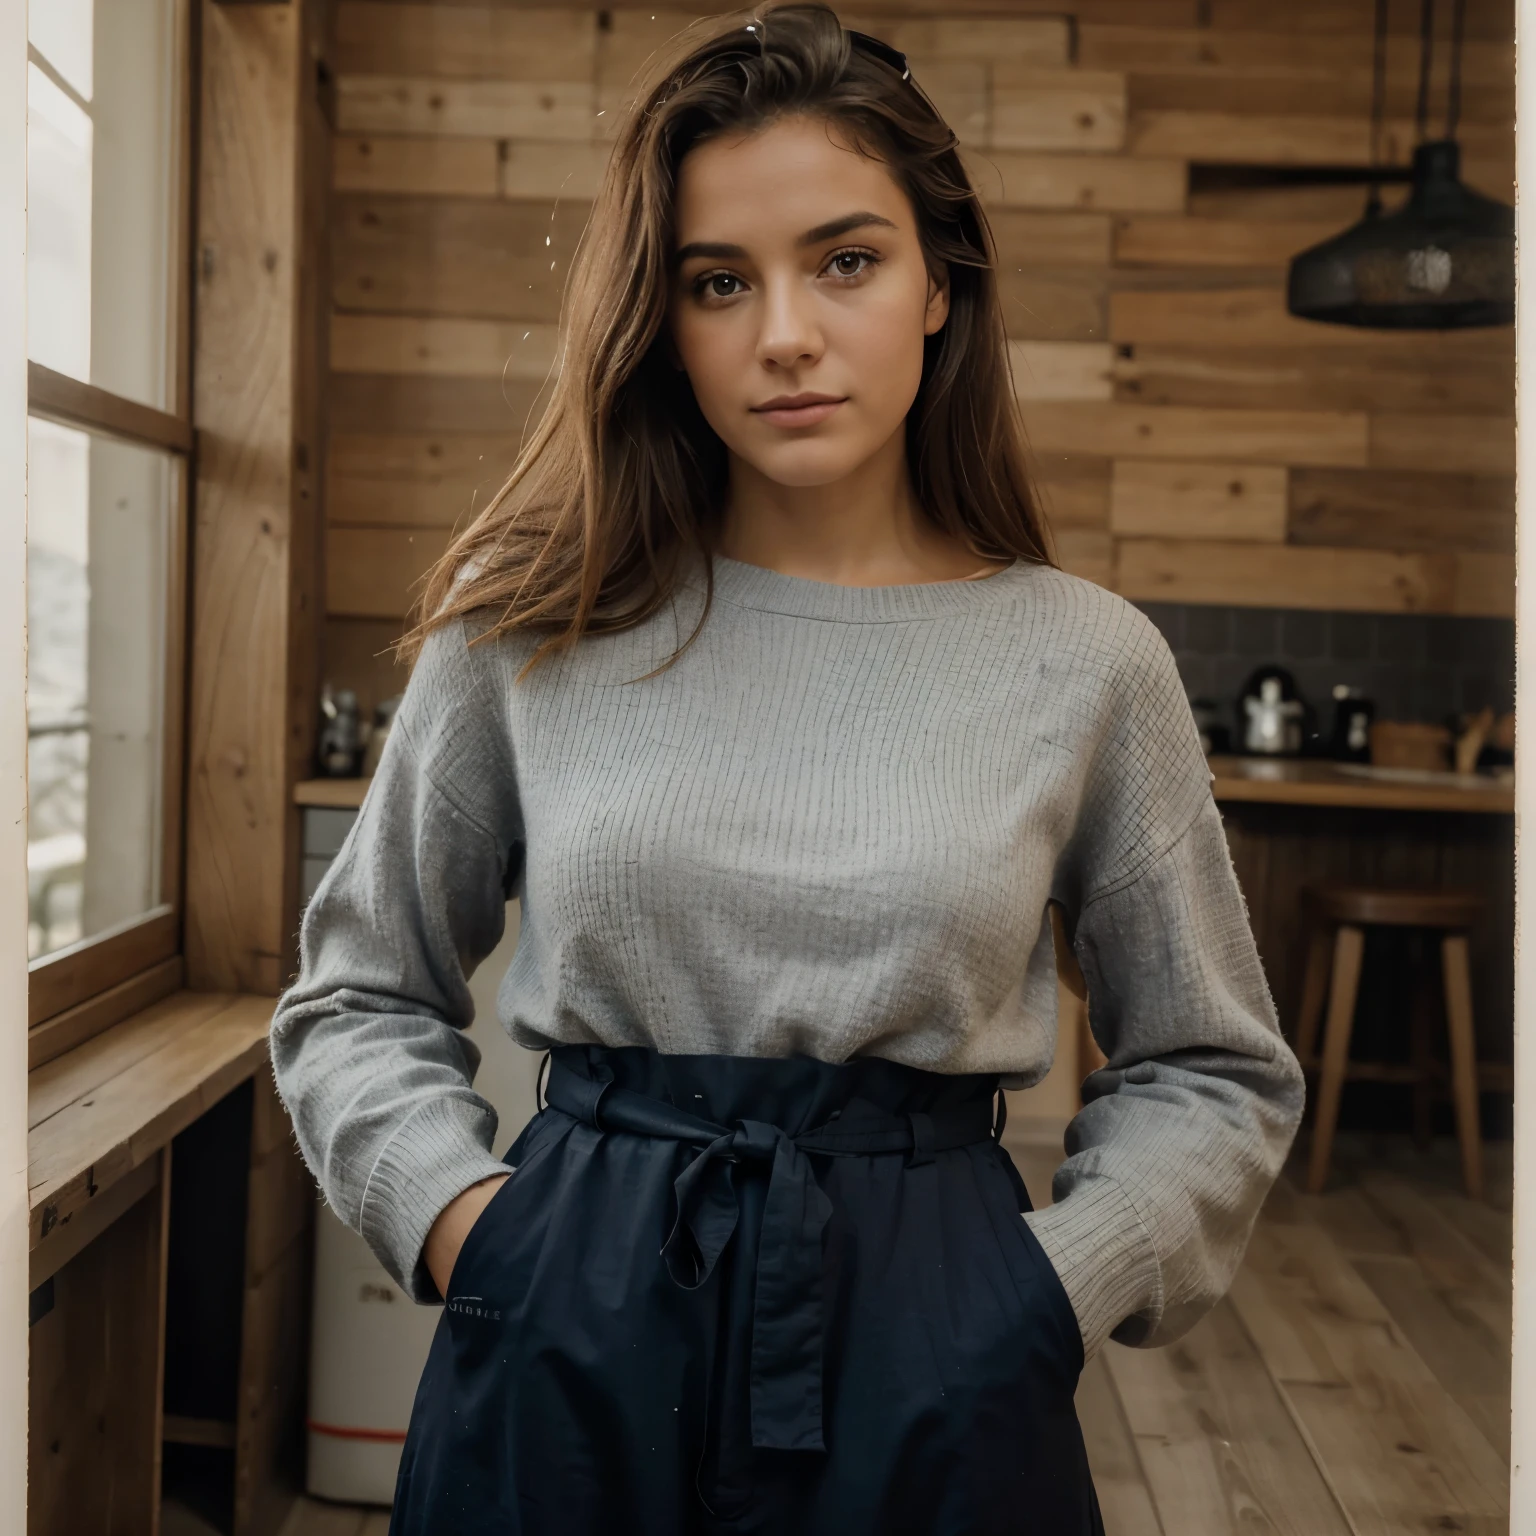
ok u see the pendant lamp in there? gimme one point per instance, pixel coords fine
(1445, 260)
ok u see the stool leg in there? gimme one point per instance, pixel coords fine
(1314, 993)
(1420, 1031)
(1458, 1015)
(1348, 947)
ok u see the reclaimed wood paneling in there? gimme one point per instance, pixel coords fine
(361, 651)
(486, 349)
(1325, 378)
(1068, 304)
(380, 481)
(1226, 192)
(1075, 110)
(1316, 93)
(1128, 153)
(381, 402)
(1186, 242)
(961, 90)
(1247, 138)
(1150, 498)
(1114, 183)
(453, 256)
(1074, 489)
(1485, 585)
(1402, 509)
(634, 36)
(1178, 432)
(1087, 552)
(561, 109)
(545, 170)
(1486, 20)
(1479, 445)
(372, 573)
(1289, 576)
(1031, 42)
(1257, 53)
(1052, 239)
(1257, 317)
(469, 42)
(256, 545)
(1062, 370)
(419, 459)
(429, 167)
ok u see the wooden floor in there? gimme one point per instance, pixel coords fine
(1354, 1383)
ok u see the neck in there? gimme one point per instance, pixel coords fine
(864, 529)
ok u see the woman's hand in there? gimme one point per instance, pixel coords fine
(452, 1227)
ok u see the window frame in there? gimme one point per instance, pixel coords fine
(78, 991)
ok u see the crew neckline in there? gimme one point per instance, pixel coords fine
(757, 586)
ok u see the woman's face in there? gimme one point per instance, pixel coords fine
(800, 299)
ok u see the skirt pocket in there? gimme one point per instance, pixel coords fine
(1044, 1297)
(1066, 1313)
(541, 1134)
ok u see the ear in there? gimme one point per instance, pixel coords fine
(937, 310)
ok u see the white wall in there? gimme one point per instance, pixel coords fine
(13, 759)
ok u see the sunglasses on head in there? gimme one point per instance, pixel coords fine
(870, 45)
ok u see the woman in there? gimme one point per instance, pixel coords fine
(759, 688)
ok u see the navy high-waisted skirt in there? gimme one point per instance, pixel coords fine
(728, 1294)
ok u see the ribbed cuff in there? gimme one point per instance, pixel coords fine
(441, 1149)
(1104, 1255)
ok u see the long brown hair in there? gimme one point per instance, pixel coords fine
(623, 479)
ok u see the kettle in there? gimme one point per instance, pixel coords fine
(1271, 714)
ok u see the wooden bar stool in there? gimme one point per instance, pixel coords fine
(1339, 916)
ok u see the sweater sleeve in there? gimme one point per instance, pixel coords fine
(1184, 1130)
(368, 1046)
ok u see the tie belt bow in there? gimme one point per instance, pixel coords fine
(786, 1377)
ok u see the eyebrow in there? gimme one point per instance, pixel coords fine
(722, 251)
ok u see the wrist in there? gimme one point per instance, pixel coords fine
(447, 1233)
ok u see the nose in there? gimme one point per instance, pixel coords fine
(790, 332)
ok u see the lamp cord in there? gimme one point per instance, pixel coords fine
(1426, 63)
(1378, 90)
(1453, 109)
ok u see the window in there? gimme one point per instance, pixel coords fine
(104, 172)
(109, 445)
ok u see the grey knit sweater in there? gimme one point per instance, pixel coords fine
(833, 827)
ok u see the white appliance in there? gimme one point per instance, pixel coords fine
(368, 1341)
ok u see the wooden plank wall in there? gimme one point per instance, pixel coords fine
(1194, 442)
(261, 320)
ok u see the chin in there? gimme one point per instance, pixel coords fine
(807, 465)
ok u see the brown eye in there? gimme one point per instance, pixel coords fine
(715, 285)
(850, 264)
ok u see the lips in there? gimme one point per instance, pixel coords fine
(803, 410)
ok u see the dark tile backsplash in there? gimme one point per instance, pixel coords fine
(1415, 666)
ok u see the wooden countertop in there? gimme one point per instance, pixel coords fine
(1272, 781)
(98, 1114)
(1312, 781)
(331, 794)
